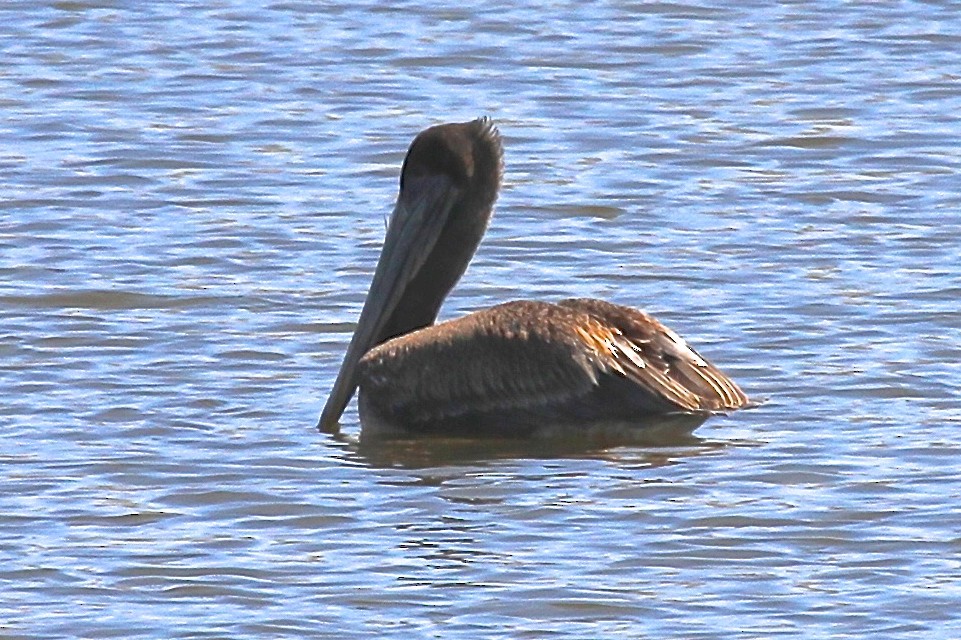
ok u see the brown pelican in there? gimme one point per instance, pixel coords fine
(513, 368)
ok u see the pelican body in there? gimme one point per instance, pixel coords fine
(512, 369)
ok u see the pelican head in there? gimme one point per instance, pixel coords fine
(448, 185)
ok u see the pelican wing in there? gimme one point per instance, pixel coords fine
(527, 355)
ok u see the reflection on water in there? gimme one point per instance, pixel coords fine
(670, 433)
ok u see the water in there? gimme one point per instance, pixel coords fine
(194, 195)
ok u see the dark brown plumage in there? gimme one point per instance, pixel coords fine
(513, 368)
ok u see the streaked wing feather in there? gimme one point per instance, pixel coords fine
(671, 368)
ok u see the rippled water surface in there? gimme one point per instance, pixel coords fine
(192, 199)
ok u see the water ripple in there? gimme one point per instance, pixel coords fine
(195, 194)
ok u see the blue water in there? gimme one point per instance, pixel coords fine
(193, 196)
